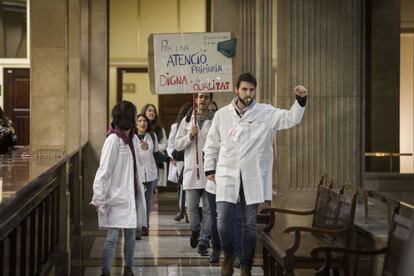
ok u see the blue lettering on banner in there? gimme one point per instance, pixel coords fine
(201, 69)
(182, 59)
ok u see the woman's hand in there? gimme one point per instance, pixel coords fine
(144, 145)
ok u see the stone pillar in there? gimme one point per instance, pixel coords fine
(319, 45)
(49, 77)
(73, 119)
(265, 91)
(96, 68)
(247, 39)
(221, 11)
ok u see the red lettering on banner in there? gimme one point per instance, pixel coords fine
(166, 80)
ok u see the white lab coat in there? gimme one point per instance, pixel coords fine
(148, 170)
(113, 187)
(171, 147)
(183, 142)
(243, 146)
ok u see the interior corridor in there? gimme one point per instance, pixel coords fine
(166, 251)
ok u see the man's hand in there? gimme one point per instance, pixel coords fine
(95, 206)
(301, 90)
(194, 130)
(211, 177)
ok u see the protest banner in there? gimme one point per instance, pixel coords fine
(189, 63)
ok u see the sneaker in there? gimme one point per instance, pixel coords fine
(144, 231)
(236, 262)
(128, 271)
(202, 249)
(215, 256)
(194, 238)
(179, 216)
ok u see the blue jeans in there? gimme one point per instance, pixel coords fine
(237, 229)
(236, 226)
(110, 244)
(225, 213)
(203, 226)
(149, 192)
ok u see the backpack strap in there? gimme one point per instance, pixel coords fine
(152, 134)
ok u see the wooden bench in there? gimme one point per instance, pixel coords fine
(399, 252)
(332, 224)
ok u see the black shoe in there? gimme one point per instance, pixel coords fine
(202, 249)
(215, 257)
(186, 218)
(128, 271)
(105, 274)
(144, 231)
(194, 239)
(137, 234)
(179, 216)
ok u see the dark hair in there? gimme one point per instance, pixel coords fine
(146, 118)
(211, 95)
(124, 115)
(155, 126)
(215, 104)
(184, 110)
(247, 77)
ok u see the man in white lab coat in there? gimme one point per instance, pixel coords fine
(239, 158)
(191, 137)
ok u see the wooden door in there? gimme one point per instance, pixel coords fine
(169, 105)
(17, 101)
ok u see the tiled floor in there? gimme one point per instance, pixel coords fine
(166, 251)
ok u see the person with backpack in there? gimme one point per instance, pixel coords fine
(191, 136)
(148, 154)
(118, 194)
(150, 111)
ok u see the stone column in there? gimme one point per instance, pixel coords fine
(221, 11)
(247, 39)
(73, 119)
(49, 77)
(319, 44)
(96, 69)
(265, 91)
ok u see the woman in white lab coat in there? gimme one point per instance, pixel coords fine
(118, 194)
(147, 154)
(156, 127)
